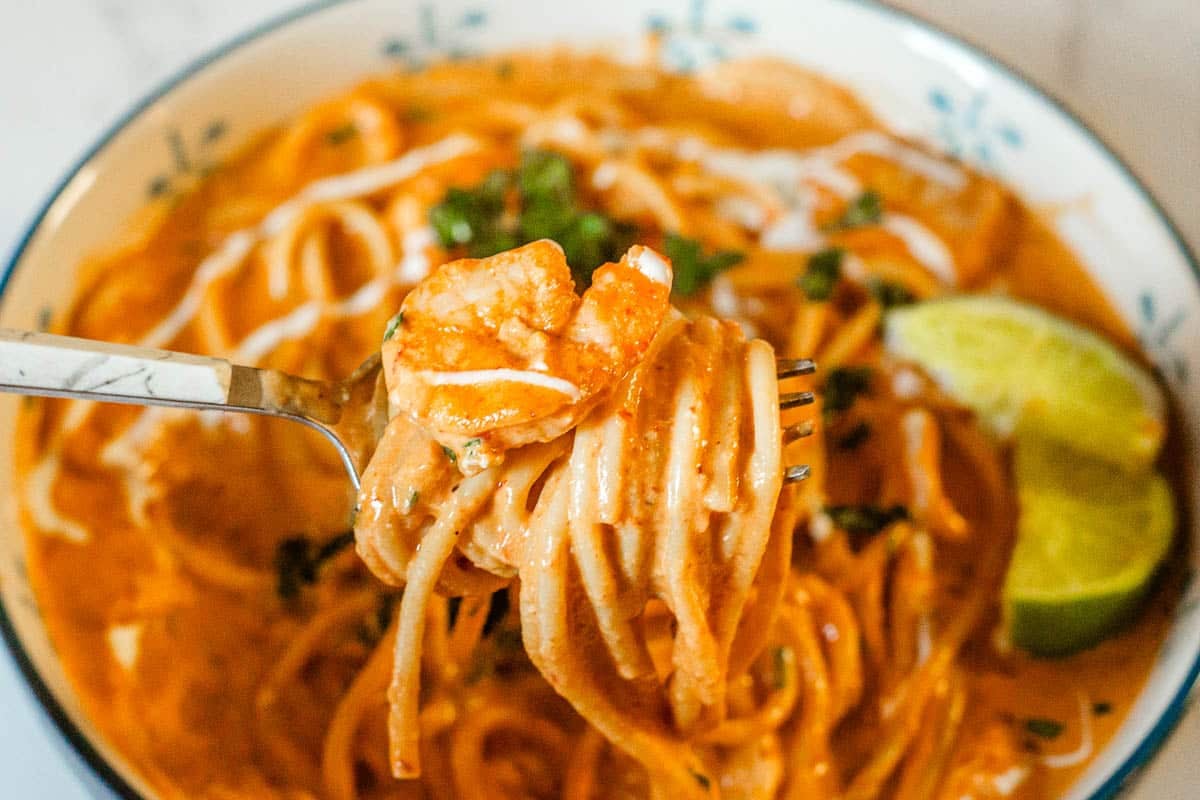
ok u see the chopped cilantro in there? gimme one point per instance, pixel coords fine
(821, 277)
(411, 502)
(548, 209)
(865, 518)
(702, 779)
(508, 639)
(497, 611)
(591, 240)
(471, 217)
(1044, 728)
(298, 561)
(371, 630)
(889, 294)
(505, 70)
(342, 135)
(866, 209)
(545, 175)
(393, 325)
(418, 114)
(1101, 708)
(693, 269)
(453, 605)
(855, 437)
(842, 388)
(450, 454)
(779, 663)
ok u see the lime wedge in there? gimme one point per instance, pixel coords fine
(1023, 369)
(1089, 540)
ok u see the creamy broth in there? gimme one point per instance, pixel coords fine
(156, 538)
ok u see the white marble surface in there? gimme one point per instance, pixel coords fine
(68, 68)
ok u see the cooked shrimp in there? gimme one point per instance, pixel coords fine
(494, 353)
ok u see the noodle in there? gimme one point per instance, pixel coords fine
(628, 602)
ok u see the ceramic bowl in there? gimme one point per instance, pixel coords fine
(923, 82)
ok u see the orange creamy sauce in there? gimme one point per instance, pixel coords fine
(198, 581)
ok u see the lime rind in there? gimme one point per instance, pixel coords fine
(1090, 540)
(1023, 370)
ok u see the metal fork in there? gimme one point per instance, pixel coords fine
(47, 365)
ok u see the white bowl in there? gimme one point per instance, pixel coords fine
(922, 81)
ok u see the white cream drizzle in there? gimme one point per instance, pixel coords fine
(652, 265)
(1007, 782)
(414, 261)
(789, 172)
(124, 450)
(237, 246)
(604, 176)
(923, 244)
(793, 231)
(125, 643)
(742, 210)
(266, 337)
(39, 486)
(906, 384)
(473, 377)
(821, 527)
(1084, 751)
(911, 158)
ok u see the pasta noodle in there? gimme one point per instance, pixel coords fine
(618, 596)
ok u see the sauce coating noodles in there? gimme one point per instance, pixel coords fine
(635, 608)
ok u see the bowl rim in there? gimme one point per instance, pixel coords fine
(57, 714)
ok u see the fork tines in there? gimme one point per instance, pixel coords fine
(795, 473)
(793, 367)
(794, 399)
(798, 431)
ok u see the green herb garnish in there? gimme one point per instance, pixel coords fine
(472, 217)
(342, 135)
(842, 388)
(889, 294)
(865, 518)
(855, 437)
(866, 209)
(693, 269)
(418, 114)
(411, 502)
(497, 611)
(505, 70)
(701, 778)
(548, 208)
(823, 273)
(298, 561)
(545, 175)
(471, 444)
(508, 640)
(371, 630)
(779, 663)
(393, 325)
(1045, 728)
(1102, 708)
(450, 454)
(452, 607)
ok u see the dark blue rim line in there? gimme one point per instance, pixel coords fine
(1173, 713)
(117, 784)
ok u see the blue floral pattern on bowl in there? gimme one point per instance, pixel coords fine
(439, 35)
(693, 41)
(187, 162)
(969, 129)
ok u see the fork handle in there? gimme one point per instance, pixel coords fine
(63, 366)
(85, 369)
